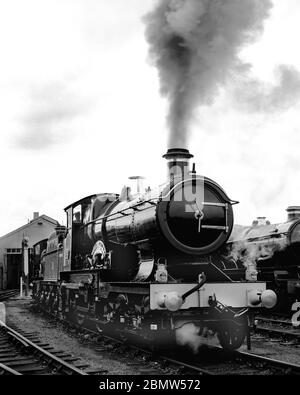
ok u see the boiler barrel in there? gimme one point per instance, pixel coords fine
(193, 216)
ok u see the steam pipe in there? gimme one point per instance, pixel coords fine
(195, 289)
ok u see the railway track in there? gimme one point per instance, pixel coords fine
(216, 361)
(209, 361)
(277, 327)
(6, 294)
(24, 354)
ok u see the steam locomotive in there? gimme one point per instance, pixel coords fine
(147, 264)
(274, 251)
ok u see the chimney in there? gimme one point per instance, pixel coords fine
(178, 163)
(35, 215)
(293, 213)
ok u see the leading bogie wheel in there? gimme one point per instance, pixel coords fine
(231, 337)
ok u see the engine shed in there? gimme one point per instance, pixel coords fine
(35, 230)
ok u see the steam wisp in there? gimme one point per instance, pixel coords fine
(190, 335)
(249, 253)
(187, 335)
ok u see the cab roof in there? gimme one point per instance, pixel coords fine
(90, 197)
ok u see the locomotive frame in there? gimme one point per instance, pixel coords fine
(142, 264)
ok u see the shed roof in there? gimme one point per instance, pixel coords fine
(41, 217)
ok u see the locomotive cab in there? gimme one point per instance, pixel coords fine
(79, 241)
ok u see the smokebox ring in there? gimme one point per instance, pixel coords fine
(162, 215)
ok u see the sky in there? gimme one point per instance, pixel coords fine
(81, 112)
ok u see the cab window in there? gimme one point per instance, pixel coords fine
(77, 214)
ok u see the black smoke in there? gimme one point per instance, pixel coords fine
(195, 45)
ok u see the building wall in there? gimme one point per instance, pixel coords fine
(36, 230)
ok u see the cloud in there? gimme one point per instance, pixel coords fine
(47, 120)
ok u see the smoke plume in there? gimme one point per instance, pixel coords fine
(195, 46)
(252, 95)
